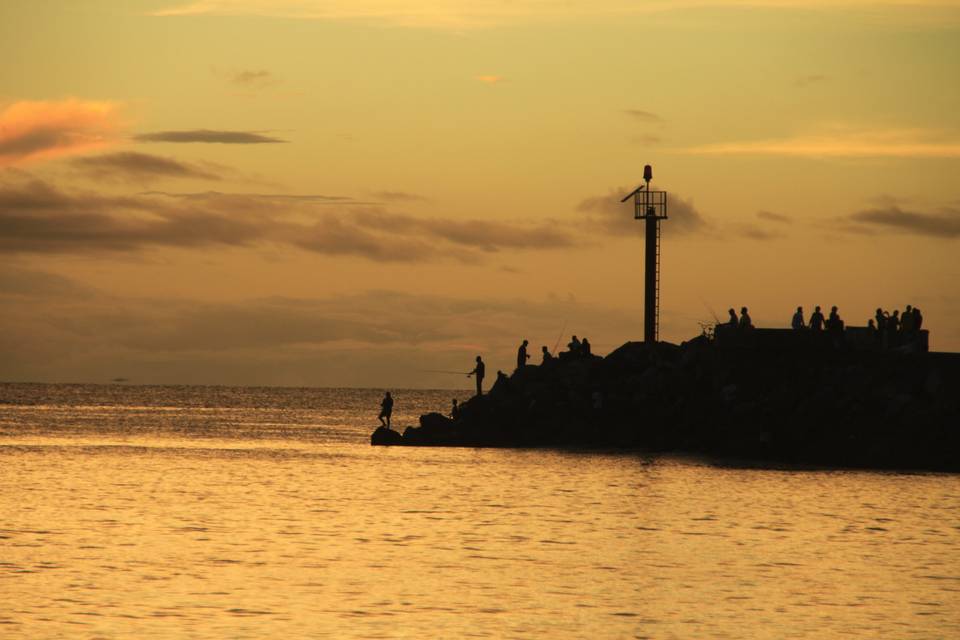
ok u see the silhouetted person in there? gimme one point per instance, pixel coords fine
(574, 345)
(881, 319)
(455, 410)
(585, 347)
(816, 319)
(745, 322)
(522, 355)
(386, 410)
(917, 319)
(732, 322)
(834, 323)
(893, 322)
(872, 326)
(479, 372)
(798, 323)
(906, 321)
(547, 356)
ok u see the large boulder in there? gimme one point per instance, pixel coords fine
(385, 437)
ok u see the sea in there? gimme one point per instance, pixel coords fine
(227, 512)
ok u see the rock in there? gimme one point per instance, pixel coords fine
(385, 437)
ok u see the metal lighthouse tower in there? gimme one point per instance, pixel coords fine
(652, 207)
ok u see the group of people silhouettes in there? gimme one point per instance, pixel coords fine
(892, 328)
(817, 321)
(743, 322)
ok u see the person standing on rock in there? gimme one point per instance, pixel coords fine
(386, 410)
(522, 355)
(479, 372)
(798, 324)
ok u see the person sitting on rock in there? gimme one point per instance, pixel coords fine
(547, 356)
(585, 347)
(522, 355)
(834, 323)
(798, 324)
(732, 322)
(386, 410)
(816, 319)
(745, 322)
(574, 346)
(455, 410)
(479, 372)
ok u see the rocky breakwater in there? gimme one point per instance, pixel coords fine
(817, 406)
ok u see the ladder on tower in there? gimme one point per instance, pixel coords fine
(656, 333)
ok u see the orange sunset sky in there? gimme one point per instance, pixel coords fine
(349, 193)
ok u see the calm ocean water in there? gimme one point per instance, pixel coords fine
(213, 512)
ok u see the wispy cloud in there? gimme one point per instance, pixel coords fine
(770, 216)
(643, 116)
(456, 14)
(842, 143)
(399, 196)
(208, 136)
(253, 78)
(807, 80)
(30, 130)
(944, 223)
(610, 216)
(37, 217)
(128, 166)
(490, 79)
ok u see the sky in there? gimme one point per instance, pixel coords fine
(362, 193)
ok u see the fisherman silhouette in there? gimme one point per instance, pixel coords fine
(917, 319)
(798, 324)
(745, 322)
(522, 355)
(574, 345)
(816, 319)
(585, 347)
(455, 410)
(386, 410)
(733, 322)
(479, 372)
(547, 356)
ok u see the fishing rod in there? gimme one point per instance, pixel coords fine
(459, 373)
(559, 337)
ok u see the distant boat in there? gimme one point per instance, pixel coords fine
(121, 380)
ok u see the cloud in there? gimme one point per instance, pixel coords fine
(643, 116)
(774, 217)
(253, 78)
(894, 143)
(31, 130)
(806, 81)
(453, 14)
(490, 79)
(209, 136)
(143, 167)
(944, 224)
(613, 217)
(36, 217)
(399, 196)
